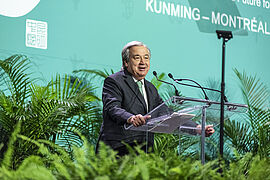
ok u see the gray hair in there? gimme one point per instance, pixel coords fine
(125, 51)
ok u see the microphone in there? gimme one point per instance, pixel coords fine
(210, 89)
(176, 91)
(199, 86)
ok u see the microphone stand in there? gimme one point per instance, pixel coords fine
(226, 36)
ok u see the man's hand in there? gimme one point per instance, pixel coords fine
(138, 120)
(209, 130)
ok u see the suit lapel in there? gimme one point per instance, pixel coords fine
(134, 87)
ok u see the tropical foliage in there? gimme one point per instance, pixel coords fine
(85, 164)
(252, 134)
(55, 112)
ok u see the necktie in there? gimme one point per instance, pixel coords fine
(140, 86)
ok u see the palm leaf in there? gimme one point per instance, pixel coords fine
(255, 93)
(251, 135)
(14, 77)
(96, 73)
(240, 136)
(56, 112)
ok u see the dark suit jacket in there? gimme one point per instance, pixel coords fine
(122, 99)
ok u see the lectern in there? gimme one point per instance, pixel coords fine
(181, 114)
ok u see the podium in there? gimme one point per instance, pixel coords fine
(179, 115)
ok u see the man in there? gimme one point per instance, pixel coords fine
(127, 97)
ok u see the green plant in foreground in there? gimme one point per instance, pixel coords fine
(253, 134)
(55, 111)
(85, 164)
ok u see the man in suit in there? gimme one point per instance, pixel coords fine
(127, 97)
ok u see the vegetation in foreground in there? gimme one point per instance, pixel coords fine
(57, 126)
(85, 164)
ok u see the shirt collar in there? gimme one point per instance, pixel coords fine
(135, 80)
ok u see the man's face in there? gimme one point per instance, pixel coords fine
(139, 62)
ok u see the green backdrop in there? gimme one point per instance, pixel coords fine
(90, 34)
